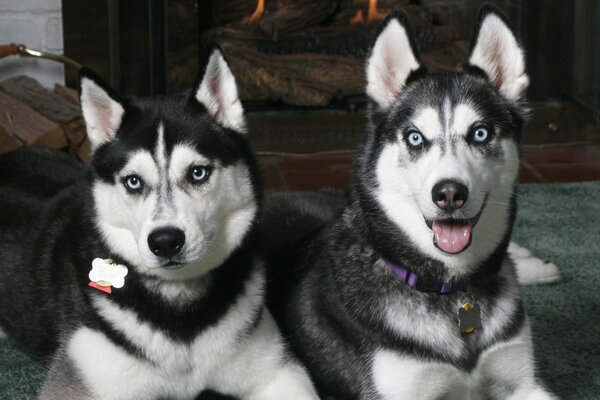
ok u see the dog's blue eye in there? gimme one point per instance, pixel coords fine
(199, 174)
(133, 183)
(415, 139)
(480, 135)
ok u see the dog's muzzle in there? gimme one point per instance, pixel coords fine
(452, 235)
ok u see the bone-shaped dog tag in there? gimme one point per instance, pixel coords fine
(106, 274)
(469, 318)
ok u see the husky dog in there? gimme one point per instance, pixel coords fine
(410, 294)
(141, 280)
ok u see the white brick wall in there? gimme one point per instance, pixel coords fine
(38, 25)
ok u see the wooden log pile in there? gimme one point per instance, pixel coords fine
(33, 115)
(311, 52)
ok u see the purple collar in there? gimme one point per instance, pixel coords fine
(425, 285)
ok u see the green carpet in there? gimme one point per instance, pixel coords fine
(559, 222)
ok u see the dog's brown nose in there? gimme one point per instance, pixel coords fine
(449, 195)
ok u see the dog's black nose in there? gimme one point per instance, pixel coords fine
(449, 195)
(166, 242)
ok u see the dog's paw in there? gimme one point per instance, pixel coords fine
(530, 269)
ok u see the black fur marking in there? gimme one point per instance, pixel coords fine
(184, 121)
(183, 323)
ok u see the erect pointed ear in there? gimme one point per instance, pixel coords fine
(393, 58)
(102, 108)
(496, 50)
(217, 91)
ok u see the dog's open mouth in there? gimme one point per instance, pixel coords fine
(451, 235)
(454, 236)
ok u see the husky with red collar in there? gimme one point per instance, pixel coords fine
(140, 278)
(411, 293)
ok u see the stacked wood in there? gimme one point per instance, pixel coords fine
(33, 115)
(8, 140)
(285, 16)
(309, 79)
(226, 11)
(309, 52)
(347, 40)
(68, 94)
(28, 127)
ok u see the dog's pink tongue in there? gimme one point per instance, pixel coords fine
(450, 237)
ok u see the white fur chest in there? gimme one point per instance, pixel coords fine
(167, 368)
(499, 370)
(396, 375)
(437, 330)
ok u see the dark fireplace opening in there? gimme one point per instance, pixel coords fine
(311, 53)
(299, 64)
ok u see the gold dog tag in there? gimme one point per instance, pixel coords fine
(469, 317)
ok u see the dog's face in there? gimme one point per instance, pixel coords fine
(442, 157)
(175, 185)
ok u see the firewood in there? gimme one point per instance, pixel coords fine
(348, 40)
(84, 151)
(282, 17)
(50, 105)
(68, 94)
(8, 141)
(27, 125)
(364, 4)
(298, 79)
(225, 11)
(448, 58)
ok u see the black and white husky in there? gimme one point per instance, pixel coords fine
(410, 294)
(142, 281)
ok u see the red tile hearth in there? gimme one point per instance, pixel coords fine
(571, 162)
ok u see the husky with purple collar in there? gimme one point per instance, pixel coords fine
(411, 293)
(140, 278)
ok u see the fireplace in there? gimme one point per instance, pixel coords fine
(310, 53)
(299, 64)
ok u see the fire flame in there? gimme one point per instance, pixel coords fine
(372, 14)
(260, 7)
(358, 18)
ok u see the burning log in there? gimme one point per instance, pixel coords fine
(286, 16)
(349, 40)
(308, 52)
(447, 59)
(298, 79)
(226, 11)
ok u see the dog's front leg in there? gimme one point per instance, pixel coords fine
(63, 382)
(90, 366)
(397, 376)
(508, 371)
(262, 369)
(290, 382)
